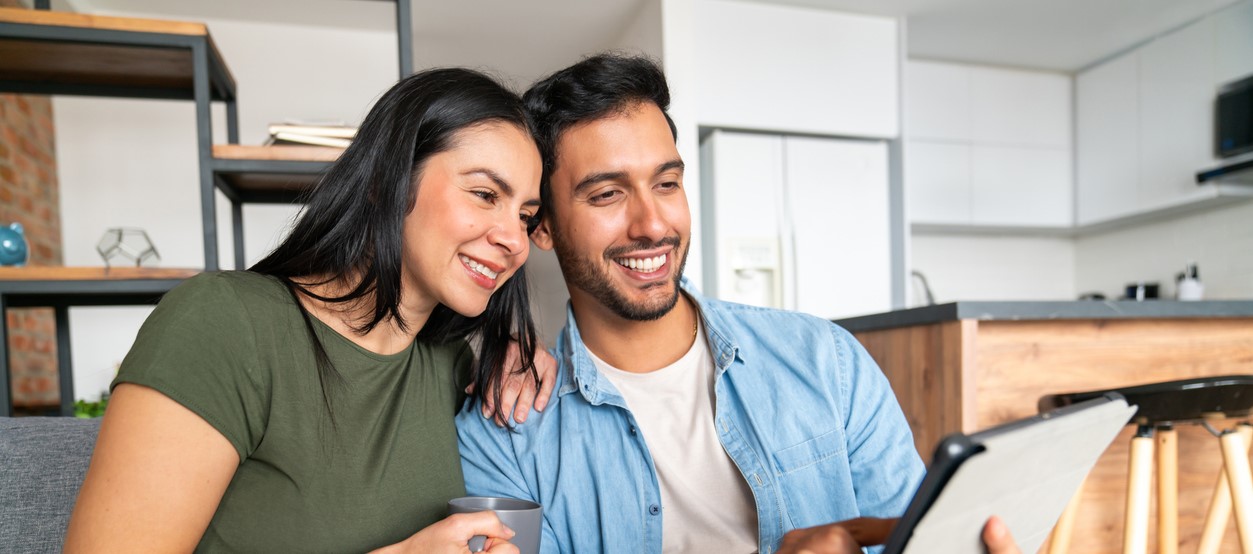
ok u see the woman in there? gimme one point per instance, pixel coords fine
(307, 404)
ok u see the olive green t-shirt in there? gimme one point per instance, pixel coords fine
(233, 348)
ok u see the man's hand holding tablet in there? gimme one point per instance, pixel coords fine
(847, 537)
(1025, 471)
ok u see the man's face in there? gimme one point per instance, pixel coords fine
(619, 219)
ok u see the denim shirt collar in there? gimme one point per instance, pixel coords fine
(578, 372)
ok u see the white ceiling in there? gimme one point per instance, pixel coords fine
(531, 37)
(1062, 35)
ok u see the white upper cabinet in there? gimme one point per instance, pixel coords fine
(987, 146)
(1146, 119)
(1013, 186)
(1233, 40)
(937, 177)
(937, 101)
(1108, 120)
(1022, 108)
(784, 68)
(1176, 112)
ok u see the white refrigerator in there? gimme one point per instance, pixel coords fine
(799, 223)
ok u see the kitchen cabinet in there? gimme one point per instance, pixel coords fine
(1027, 187)
(797, 70)
(798, 223)
(937, 101)
(1108, 131)
(1019, 108)
(1233, 43)
(987, 147)
(1176, 101)
(1146, 125)
(967, 366)
(937, 177)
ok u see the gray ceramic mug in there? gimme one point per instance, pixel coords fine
(523, 516)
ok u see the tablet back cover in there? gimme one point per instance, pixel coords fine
(1025, 472)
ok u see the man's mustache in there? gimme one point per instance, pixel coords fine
(624, 250)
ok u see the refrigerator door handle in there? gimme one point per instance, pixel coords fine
(787, 236)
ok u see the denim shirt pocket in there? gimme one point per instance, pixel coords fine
(814, 480)
(810, 452)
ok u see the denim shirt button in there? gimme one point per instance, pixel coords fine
(654, 509)
(632, 429)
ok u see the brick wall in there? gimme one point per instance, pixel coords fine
(28, 195)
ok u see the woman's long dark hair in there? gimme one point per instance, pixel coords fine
(351, 229)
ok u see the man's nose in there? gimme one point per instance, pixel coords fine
(647, 221)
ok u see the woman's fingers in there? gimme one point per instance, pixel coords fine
(546, 367)
(519, 392)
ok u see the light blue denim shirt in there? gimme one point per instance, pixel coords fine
(801, 408)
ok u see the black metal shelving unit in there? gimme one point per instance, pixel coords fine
(68, 54)
(55, 53)
(60, 295)
(264, 180)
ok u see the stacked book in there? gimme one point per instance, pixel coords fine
(333, 135)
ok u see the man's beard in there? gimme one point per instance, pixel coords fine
(592, 278)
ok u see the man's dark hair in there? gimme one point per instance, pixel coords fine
(599, 86)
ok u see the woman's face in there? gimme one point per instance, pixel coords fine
(466, 234)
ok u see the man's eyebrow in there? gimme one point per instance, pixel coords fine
(672, 164)
(615, 175)
(598, 177)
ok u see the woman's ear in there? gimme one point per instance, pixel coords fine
(542, 235)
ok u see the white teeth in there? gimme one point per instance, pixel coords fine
(479, 267)
(647, 265)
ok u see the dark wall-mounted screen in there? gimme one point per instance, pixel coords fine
(1233, 116)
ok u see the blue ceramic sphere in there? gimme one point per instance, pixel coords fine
(13, 250)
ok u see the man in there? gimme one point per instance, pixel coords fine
(679, 423)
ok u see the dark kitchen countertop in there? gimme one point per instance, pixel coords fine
(1040, 310)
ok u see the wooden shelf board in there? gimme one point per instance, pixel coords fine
(68, 64)
(271, 174)
(47, 273)
(101, 22)
(45, 52)
(276, 153)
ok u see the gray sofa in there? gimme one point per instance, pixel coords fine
(42, 463)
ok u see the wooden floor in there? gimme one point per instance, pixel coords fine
(970, 375)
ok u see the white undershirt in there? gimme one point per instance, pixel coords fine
(706, 503)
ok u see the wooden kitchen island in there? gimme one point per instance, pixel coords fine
(968, 366)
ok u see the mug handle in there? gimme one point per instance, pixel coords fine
(477, 543)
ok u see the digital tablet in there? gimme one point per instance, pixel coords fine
(1024, 471)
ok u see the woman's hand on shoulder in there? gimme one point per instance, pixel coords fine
(452, 535)
(520, 390)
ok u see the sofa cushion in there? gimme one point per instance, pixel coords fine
(42, 464)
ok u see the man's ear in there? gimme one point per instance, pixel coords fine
(542, 235)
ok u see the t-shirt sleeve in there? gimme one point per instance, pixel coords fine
(198, 348)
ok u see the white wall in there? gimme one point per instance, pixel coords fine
(133, 162)
(963, 267)
(1220, 241)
